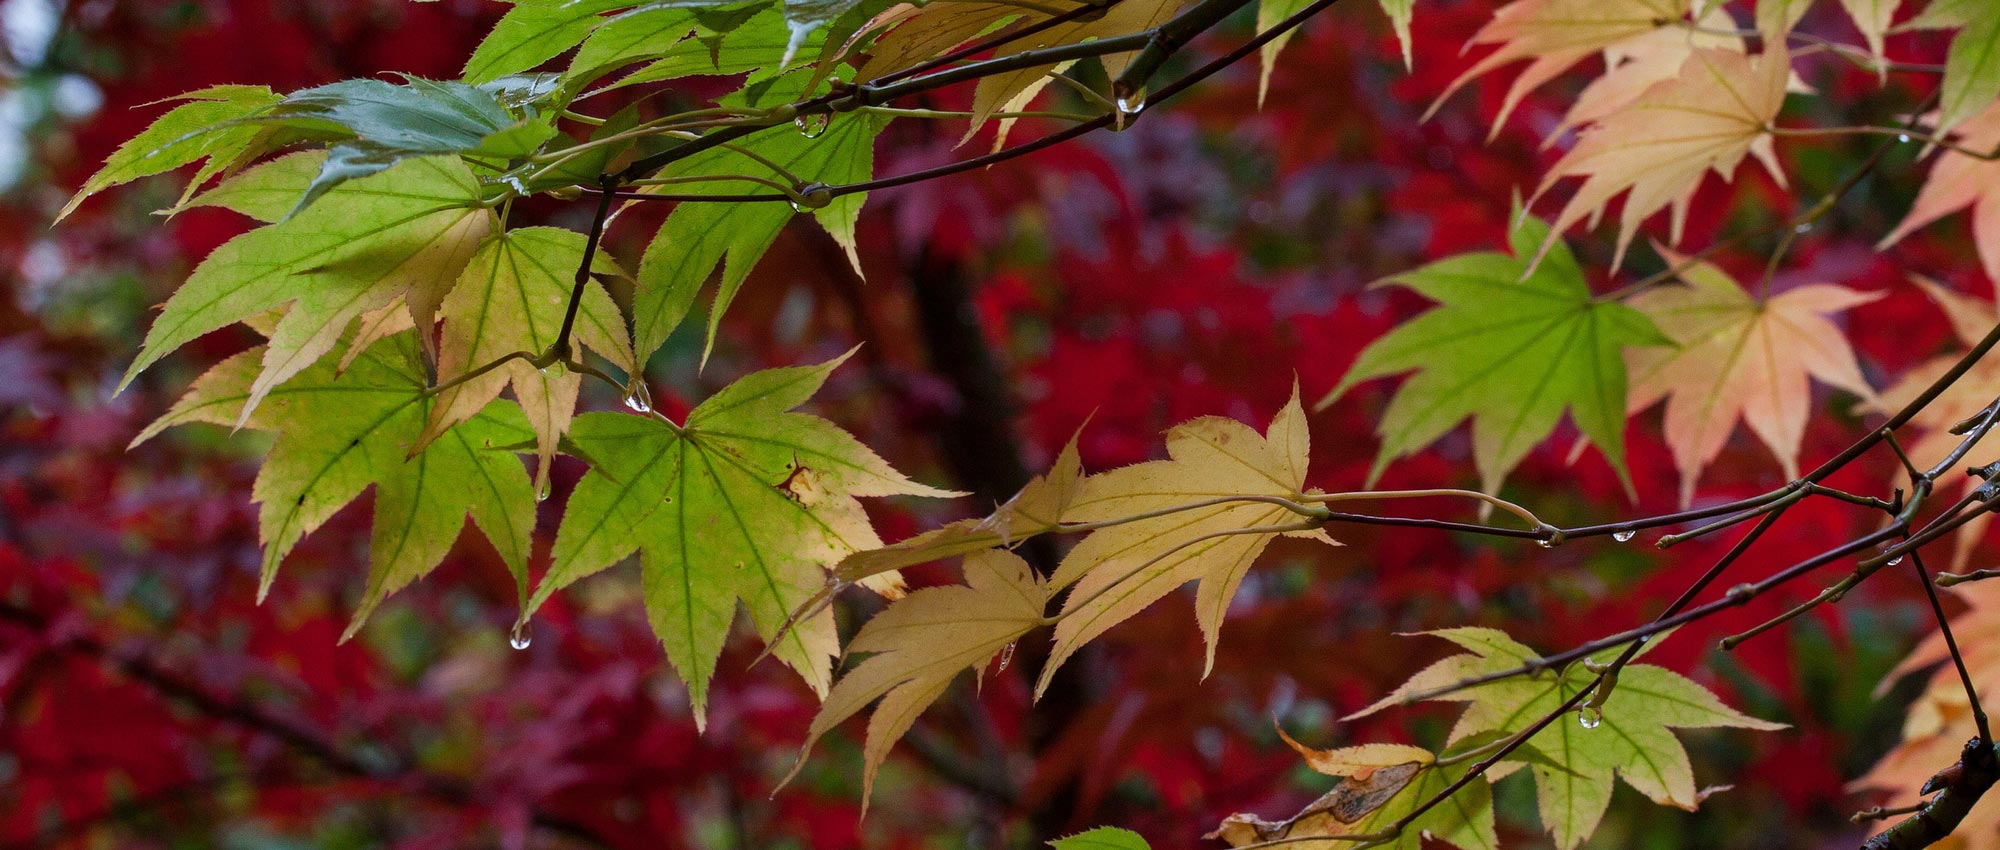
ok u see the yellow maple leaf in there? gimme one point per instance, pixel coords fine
(1933, 441)
(1958, 181)
(1739, 358)
(1557, 34)
(1037, 509)
(1633, 65)
(1714, 112)
(1121, 569)
(1872, 17)
(921, 643)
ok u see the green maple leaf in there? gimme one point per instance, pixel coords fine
(675, 42)
(340, 432)
(1632, 738)
(533, 32)
(1102, 838)
(405, 233)
(1510, 352)
(745, 502)
(698, 236)
(386, 124)
(1972, 66)
(206, 127)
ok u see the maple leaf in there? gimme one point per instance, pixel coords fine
(1972, 66)
(1739, 358)
(1121, 569)
(404, 233)
(1928, 437)
(340, 432)
(1632, 738)
(923, 641)
(1038, 509)
(511, 298)
(698, 236)
(918, 33)
(206, 127)
(1271, 12)
(1557, 34)
(1872, 17)
(1510, 352)
(744, 501)
(1014, 88)
(1939, 722)
(533, 32)
(1634, 64)
(1101, 838)
(1380, 785)
(1716, 111)
(1958, 181)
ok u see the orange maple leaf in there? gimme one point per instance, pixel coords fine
(1716, 111)
(1738, 357)
(1557, 34)
(1958, 181)
(1970, 320)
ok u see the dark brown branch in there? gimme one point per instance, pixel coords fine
(1958, 788)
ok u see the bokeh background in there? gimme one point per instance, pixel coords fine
(1194, 264)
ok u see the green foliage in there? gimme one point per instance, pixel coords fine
(1629, 735)
(745, 501)
(341, 431)
(208, 126)
(1511, 346)
(1102, 838)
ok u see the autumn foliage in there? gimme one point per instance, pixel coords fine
(606, 423)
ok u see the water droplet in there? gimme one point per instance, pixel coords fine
(1546, 543)
(1896, 560)
(519, 637)
(1131, 105)
(1624, 535)
(542, 490)
(1006, 656)
(555, 370)
(1803, 227)
(1903, 137)
(811, 126)
(1589, 718)
(639, 399)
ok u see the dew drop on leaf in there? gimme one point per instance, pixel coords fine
(542, 490)
(1896, 560)
(639, 399)
(519, 637)
(1624, 535)
(811, 126)
(1006, 656)
(1589, 718)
